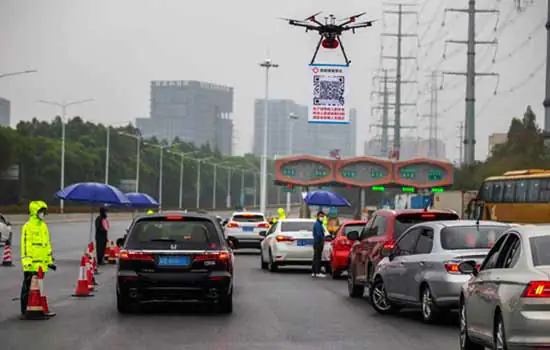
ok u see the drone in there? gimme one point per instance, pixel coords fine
(330, 31)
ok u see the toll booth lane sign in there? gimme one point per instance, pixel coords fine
(423, 173)
(309, 171)
(364, 172)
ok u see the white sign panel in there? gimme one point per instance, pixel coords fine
(328, 103)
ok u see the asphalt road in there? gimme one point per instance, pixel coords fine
(285, 310)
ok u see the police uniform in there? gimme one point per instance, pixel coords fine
(36, 249)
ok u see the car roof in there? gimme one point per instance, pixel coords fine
(412, 211)
(297, 220)
(355, 222)
(533, 230)
(184, 213)
(451, 223)
(247, 213)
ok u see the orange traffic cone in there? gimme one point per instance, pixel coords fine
(43, 298)
(113, 255)
(108, 252)
(82, 288)
(7, 260)
(89, 274)
(35, 310)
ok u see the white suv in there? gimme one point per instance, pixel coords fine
(243, 229)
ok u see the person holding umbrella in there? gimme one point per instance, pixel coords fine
(318, 244)
(101, 228)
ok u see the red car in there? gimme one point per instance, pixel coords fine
(384, 227)
(341, 246)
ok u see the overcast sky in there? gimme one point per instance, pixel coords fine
(109, 50)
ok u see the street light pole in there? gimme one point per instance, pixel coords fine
(267, 64)
(138, 155)
(107, 154)
(291, 119)
(242, 189)
(161, 176)
(228, 198)
(180, 200)
(63, 107)
(214, 188)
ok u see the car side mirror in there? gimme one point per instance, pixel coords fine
(224, 222)
(387, 252)
(468, 267)
(263, 233)
(120, 242)
(353, 236)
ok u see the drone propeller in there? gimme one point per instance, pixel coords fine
(353, 18)
(312, 17)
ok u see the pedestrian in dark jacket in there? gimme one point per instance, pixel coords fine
(101, 229)
(318, 244)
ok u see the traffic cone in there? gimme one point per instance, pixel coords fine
(82, 285)
(7, 260)
(113, 255)
(43, 298)
(89, 274)
(108, 252)
(35, 310)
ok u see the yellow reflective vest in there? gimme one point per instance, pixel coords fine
(36, 249)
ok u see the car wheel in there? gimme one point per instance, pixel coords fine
(336, 273)
(465, 341)
(354, 290)
(430, 313)
(499, 335)
(379, 298)
(124, 305)
(263, 263)
(272, 265)
(226, 303)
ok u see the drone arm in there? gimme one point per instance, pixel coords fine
(359, 25)
(305, 25)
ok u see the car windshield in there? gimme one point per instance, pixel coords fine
(248, 218)
(470, 237)
(404, 221)
(163, 232)
(540, 250)
(350, 228)
(293, 226)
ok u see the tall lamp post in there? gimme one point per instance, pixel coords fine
(138, 155)
(108, 150)
(182, 157)
(198, 199)
(291, 118)
(267, 64)
(161, 169)
(63, 107)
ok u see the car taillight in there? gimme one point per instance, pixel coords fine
(219, 256)
(388, 245)
(427, 216)
(281, 238)
(134, 255)
(537, 289)
(263, 225)
(232, 225)
(452, 267)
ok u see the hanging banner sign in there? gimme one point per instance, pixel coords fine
(328, 103)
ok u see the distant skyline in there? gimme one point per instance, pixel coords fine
(110, 50)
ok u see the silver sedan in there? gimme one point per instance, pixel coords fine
(421, 270)
(506, 303)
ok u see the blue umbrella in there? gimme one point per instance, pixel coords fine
(93, 193)
(141, 200)
(326, 199)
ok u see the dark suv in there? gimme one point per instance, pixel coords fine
(175, 257)
(383, 229)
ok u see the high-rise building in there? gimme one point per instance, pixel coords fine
(192, 111)
(4, 112)
(496, 139)
(312, 139)
(411, 147)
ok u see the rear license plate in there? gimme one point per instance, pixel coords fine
(304, 242)
(174, 261)
(248, 229)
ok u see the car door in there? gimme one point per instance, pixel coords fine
(417, 264)
(362, 250)
(399, 260)
(377, 240)
(477, 289)
(266, 242)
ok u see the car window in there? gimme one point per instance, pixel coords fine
(540, 250)
(292, 226)
(272, 228)
(164, 232)
(352, 227)
(510, 253)
(406, 220)
(425, 241)
(407, 244)
(367, 230)
(470, 237)
(248, 218)
(490, 261)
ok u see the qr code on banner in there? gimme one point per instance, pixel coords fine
(328, 90)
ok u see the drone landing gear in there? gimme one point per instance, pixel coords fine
(341, 47)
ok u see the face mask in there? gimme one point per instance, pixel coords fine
(41, 216)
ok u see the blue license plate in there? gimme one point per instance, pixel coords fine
(304, 242)
(174, 261)
(248, 229)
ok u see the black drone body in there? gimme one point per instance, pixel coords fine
(330, 31)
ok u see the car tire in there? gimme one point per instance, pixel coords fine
(263, 263)
(336, 273)
(499, 334)
(354, 290)
(379, 298)
(124, 304)
(430, 312)
(465, 342)
(226, 303)
(272, 265)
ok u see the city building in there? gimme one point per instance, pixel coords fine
(192, 111)
(312, 139)
(496, 139)
(411, 147)
(5, 107)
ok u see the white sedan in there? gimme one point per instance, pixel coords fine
(290, 242)
(5, 230)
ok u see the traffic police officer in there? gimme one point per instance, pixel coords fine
(36, 249)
